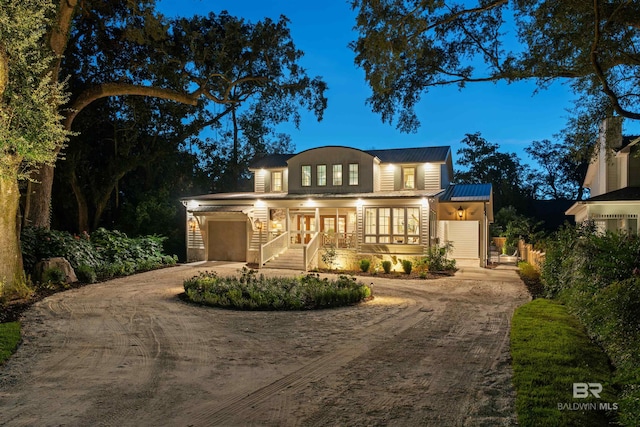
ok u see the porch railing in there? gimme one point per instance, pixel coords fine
(339, 240)
(310, 250)
(274, 247)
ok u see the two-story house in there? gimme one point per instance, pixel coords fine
(613, 178)
(378, 204)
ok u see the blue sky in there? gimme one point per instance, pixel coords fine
(509, 115)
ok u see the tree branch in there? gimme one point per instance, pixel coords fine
(118, 89)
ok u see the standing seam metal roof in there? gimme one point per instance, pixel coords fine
(467, 193)
(393, 155)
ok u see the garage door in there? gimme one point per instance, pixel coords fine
(227, 241)
(464, 235)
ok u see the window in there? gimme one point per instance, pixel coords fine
(276, 181)
(353, 174)
(321, 175)
(337, 174)
(306, 175)
(392, 225)
(409, 178)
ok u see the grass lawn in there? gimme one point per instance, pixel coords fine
(9, 339)
(551, 352)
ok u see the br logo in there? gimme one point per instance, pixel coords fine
(582, 390)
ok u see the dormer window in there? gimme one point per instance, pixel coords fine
(276, 181)
(409, 178)
(337, 174)
(321, 175)
(353, 174)
(306, 175)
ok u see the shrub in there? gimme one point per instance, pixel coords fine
(86, 274)
(18, 289)
(253, 292)
(364, 265)
(53, 275)
(436, 258)
(386, 266)
(407, 266)
(329, 256)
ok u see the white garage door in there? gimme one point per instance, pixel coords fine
(464, 235)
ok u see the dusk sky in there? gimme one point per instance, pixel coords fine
(509, 115)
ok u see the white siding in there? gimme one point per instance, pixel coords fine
(387, 177)
(432, 177)
(259, 180)
(463, 235)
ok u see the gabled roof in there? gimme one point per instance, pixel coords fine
(393, 155)
(467, 193)
(623, 194)
(412, 155)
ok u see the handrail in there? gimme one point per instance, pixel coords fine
(312, 247)
(273, 248)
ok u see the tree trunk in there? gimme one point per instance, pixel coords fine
(10, 254)
(39, 213)
(81, 202)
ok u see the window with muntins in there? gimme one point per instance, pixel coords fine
(337, 175)
(276, 181)
(321, 175)
(392, 225)
(353, 174)
(409, 178)
(306, 175)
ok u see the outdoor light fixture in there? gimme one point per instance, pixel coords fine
(460, 212)
(258, 224)
(192, 224)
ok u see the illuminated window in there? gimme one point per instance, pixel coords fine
(306, 176)
(392, 225)
(337, 174)
(353, 174)
(276, 181)
(321, 174)
(409, 178)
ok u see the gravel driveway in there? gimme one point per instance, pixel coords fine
(129, 352)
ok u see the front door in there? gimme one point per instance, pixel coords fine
(306, 225)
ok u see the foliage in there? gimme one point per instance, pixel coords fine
(386, 266)
(531, 278)
(30, 125)
(437, 258)
(484, 163)
(86, 274)
(53, 275)
(329, 255)
(550, 351)
(102, 255)
(14, 290)
(257, 292)
(9, 339)
(408, 47)
(407, 265)
(364, 265)
(596, 275)
(514, 226)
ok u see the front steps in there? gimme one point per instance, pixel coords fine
(291, 259)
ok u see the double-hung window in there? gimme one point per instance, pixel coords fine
(409, 178)
(306, 175)
(353, 174)
(337, 174)
(276, 181)
(321, 175)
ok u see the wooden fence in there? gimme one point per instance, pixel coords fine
(529, 254)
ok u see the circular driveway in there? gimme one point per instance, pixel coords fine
(129, 352)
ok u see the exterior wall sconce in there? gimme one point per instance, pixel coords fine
(258, 224)
(192, 224)
(460, 212)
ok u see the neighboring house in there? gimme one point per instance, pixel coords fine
(377, 204)
(613, 178)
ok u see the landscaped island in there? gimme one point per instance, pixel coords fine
(257, 292)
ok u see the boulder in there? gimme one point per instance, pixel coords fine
(58, 262)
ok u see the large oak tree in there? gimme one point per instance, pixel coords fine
(407, 47)
(217, 59)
